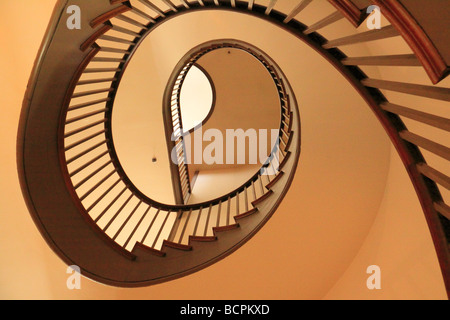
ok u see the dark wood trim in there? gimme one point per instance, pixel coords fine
(350, 11)
(285, 159)
(168, 124)
(426, 189)
(97, 34)
(113, 2)
(275, 180)
(416, 38)
(226, 228)
(126, 273)
(246, 214)
(201, 239)
(178, 246)
(126, 6)
(141, 246)
(171, 145)
(288, 143)
(195, 54)
(262, 198)
(427, 192)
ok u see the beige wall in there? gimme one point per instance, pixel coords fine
(224, 182)
(22, 250)
(326, 220)
(400, 244)
(246, 99)
(399, 241)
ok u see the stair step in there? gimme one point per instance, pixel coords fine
(283, 162)
(143, 247)
(288, 143)
(178, 246)
(201, 239)
(262, 198)
(289, 125)
(275, 180)
(246, 214)
(226, 228)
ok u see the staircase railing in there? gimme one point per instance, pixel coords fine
(91, 90)
(114, 207)
(175, 131)
(175, 141)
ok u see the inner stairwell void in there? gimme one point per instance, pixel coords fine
(92, 199)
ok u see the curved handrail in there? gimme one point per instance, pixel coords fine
(416, 37)
(171, 116)
(424, 180)
(285, 130)
(392, 123)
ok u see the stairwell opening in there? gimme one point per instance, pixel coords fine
(216, 153)
(197, 98)
(123, 215)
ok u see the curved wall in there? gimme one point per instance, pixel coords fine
(314, 243)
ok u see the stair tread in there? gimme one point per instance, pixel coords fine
(289, 142)
(262, 198)
(246, 214)
(148, 249)
(283, 162)
(202, 239)
(178, 246)
(275, 180)
(226, 228)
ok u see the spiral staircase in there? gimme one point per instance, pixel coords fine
(89, 210)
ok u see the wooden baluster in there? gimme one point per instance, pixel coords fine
(205, 231)
(144, 237)
(155, 242)
(137, 226)
(180, 240)
(299, 8)
(127, 220)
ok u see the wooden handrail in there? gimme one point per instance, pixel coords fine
(423, 177)
(353, 14)
(173, 90)
(126, 6)
(416, 37)
(355, 73)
